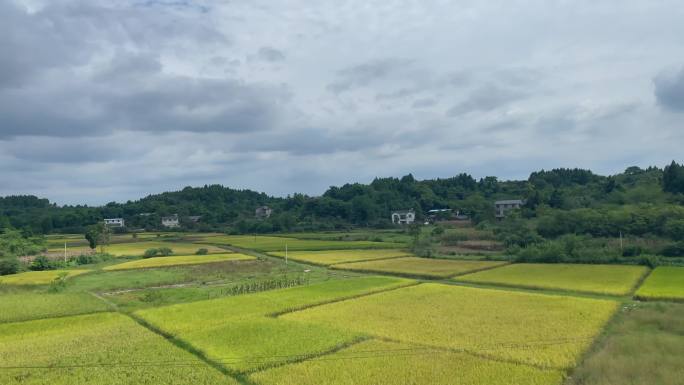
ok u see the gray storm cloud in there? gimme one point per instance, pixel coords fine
(111, 100)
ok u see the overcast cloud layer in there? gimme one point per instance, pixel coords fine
(113, 100)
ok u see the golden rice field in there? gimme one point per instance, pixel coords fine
(179, 260)
(331, 257)
(38, 277)
(664, 283)
(534, 329)
(377, 362)
(33, 305)
(420, 267)
(102, 348)
(239, 332)
(599, 279)
(137, 248)
(269, 243)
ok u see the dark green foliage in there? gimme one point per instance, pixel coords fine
(632, 251)
(41, 263)
(9, 265)
(673, 178)
(149, 253)
(202, 251)
(674, 250)
(164, 251)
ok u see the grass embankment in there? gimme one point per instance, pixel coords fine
(643, 345)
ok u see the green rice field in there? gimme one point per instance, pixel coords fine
(420, 267)
(179, 260)
(179, 248)
(664, 283)
(600, 279)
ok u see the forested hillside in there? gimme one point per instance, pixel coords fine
(560, 201)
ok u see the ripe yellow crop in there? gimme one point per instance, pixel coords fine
(179, 260)
(331, 257)
(420, 267)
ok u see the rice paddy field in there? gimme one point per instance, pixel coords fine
(179, 260)
(104, 348)
(324, 318)
(332, 257)
(243, 328)
(531, 329)
(599, 279)
(22, 306)
(272, 243)
(381, 362)
(420, 267)
(38, 277)
(664, 283)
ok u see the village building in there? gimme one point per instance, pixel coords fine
(504, 206)
(263, 212)
(115, 222)
(170, 221)
(403, 217)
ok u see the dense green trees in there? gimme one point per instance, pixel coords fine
(673, 178)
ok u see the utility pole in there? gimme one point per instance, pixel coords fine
(64, 251)
(620, 240)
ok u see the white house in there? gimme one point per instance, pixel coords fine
(502, 207)
(403, 217)
(263, 212)
(114, 222)
(170, 221)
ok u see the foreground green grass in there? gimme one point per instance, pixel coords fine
(179, 260)
(643, 345)
(599, 279)
(21, 306)
(387, 363)
(271, 243)
(331, 257)
(38, 277)
(238, 332)
(104, 348)
(420, 267)
(664, 283)
(536, 329)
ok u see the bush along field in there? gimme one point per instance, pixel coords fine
(664, 283)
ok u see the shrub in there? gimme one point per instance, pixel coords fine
(9, 265)
(673, 250)
(632, 251)
(149, 253)
(202, 251)
(165, 251)
(41, 263)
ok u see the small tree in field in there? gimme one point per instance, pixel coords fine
(98, 235)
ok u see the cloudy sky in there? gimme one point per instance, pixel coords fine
(105, 100)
